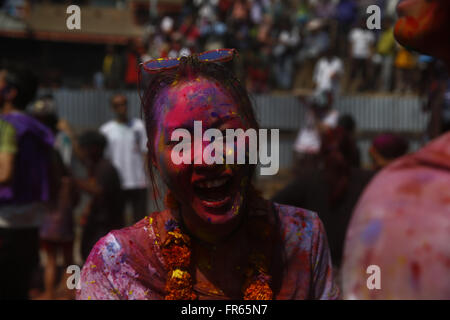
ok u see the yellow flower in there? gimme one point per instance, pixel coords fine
(176, 234)
(177, 273)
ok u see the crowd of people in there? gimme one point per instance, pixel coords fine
(283, 45)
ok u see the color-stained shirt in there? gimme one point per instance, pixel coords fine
(402, 225)
(127, 263)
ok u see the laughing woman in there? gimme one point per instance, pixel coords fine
(216, 237)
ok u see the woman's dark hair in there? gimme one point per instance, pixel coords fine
(151, 85)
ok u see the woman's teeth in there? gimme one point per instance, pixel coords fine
(214, 183)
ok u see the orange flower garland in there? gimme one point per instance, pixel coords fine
(257, 285)
(176, 252)
(177, 256)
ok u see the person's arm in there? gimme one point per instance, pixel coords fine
(339, 70)
(8, 149)
(97, 186)
(86, 212)
(65, 127)
(89, 185)
(351, 41)
(373, 44)
(6, 167)
(316, 72)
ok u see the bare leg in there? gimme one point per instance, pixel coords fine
(68, 260)
(49, 273)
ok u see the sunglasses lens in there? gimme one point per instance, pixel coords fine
(216, 55)
(161, 64)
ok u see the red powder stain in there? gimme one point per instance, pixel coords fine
(445, 199)
(131, 242)
(303, 257)
(410, 188)
(367, 258)
(410, 232)
(443, 259)
(427, 247)
(416, 271)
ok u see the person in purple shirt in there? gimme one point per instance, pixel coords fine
(24, 184)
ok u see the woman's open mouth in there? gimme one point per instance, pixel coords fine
(214, 192)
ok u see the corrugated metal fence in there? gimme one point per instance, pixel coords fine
(91, 108)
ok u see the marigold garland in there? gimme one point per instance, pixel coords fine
(257, 285)
(177, 253)
(177, 257)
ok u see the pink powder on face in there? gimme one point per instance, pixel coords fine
(178, 107)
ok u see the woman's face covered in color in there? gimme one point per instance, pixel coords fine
(424, 25)
(214, 193)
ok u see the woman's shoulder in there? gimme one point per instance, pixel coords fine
(298, 225)
(133, 245)
(124, 258)
(140, 237)
(296, 215)
(111, 250)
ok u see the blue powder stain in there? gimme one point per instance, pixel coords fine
(110, 246)
(372, 231)
(209, 220)
(214, 114)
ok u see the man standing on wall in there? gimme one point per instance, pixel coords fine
(126, 149)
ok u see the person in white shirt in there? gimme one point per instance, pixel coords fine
(328, 72)
(320, 117)
(362, 42)
(127, 140)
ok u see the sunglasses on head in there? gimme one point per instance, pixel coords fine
(164, 64)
